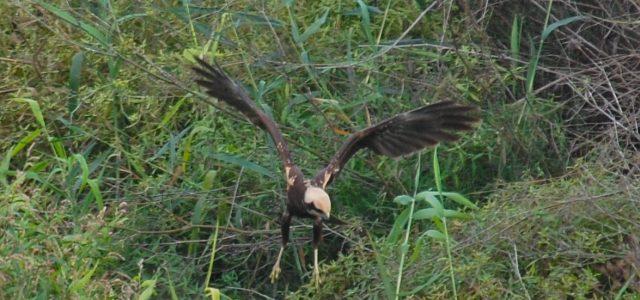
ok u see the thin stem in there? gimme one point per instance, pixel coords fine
(537, 57)
(533, 66)
(214, 242)
(405, 243)
(450, 258)
(193, 31)
(436, 171)
(384, 20)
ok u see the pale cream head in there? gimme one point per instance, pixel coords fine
(319, 198)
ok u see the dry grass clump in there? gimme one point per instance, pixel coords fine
(576, 235)
(591, 65)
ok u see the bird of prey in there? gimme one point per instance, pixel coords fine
(400, 135)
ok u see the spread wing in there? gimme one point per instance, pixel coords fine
(403, 134)
(219, 85)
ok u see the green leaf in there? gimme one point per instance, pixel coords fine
(429, 196)
(304, 57)
(79, 284)
(516, 30)
(426, 213)
(436, 170)
(436, 204)
(432, 233)
(458, 198)
(454, 214)
(404, 248)
(295, 31)
(196, 217)
(383, 269)
(95, 191)
(417, 289)
(35, 109)
(547, 31)
(114, 64)
(130, 17)
(83, 166)
(398, 226)
(4, 168)
(170, 145)
(209, 178)
(24, 142)
(212, 293)
(533, 66)
(168, 116)
(149, 287)
(73, 21)
(423, 196)
(365, 21)
(403, 199)
(313, 28)
(213, 241)
(74, 81)
(422, 4)
(243, 162)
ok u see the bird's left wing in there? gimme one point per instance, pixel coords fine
(221, 86)
(403, 134)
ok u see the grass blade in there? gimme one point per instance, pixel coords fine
(436, 170)
(74, 82)
(547, 31)
(56, 145)
(78, 285)
(382, 269)
(84, 167)
(24, 142)
(462, 200)
(366, 21)
(426, 213)
(242, 162)
(516, 31)
(214, 243)
(149, 288)
(95, 192)
(403, 199)
(313, 28)
(435, 234)
(67, 17)
(398, 226)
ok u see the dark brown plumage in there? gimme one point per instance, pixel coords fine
(400, 135)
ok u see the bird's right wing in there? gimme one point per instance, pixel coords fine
(220, 86)
(403, 134)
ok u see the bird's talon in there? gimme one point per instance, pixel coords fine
(275, 273)
(316, 278)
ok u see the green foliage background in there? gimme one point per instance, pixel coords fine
(116, 170)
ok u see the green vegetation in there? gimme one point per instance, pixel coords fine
(120, 180)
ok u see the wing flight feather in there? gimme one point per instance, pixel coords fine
(404, 134)
(217, 84)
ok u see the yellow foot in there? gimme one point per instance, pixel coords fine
(276, 267)
(275, 273)
(316, 277)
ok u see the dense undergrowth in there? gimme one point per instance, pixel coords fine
(118, 178)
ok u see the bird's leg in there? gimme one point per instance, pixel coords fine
(317, 238)
(285, 222)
